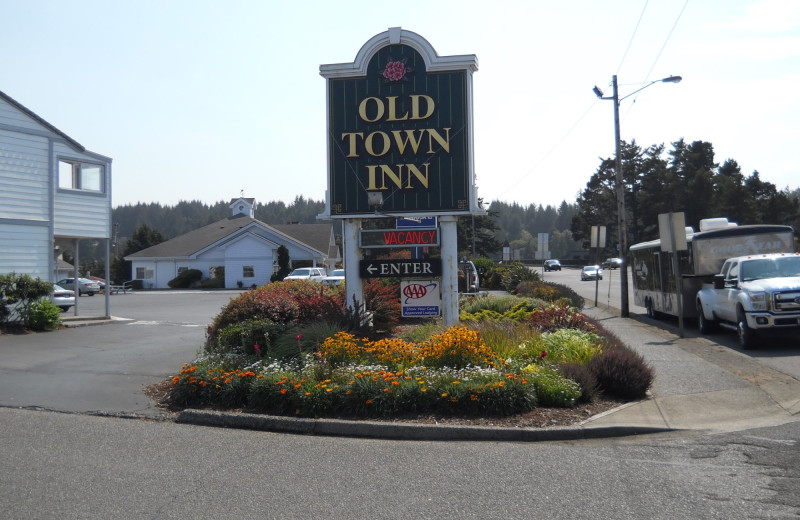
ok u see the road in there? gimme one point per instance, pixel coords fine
(57, 465)
(782, 354)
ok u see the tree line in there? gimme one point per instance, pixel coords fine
(686, 178)
(656, 180)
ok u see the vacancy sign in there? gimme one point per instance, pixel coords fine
(420, 298)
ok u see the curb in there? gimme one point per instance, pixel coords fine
(403, 431)
(89, 321)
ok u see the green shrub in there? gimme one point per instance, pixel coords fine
(571, 346)
(42, 315)
(185, 279)
(516, 273)
(302, 339)
(581, 374)
(552, 389)
(551, 292)
(245, 335)
(18, 292)
(499, 304)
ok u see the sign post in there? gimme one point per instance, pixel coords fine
(672, 231)
(598, 242)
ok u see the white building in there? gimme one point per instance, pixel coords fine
(247, 249)
(53, 193)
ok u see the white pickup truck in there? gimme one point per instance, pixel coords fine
(753, 294)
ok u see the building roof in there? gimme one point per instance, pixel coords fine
(314, 236)
(41, 121)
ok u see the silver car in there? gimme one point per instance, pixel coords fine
(85, 285)
(62, 298)
(591, 272)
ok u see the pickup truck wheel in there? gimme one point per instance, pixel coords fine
(746, 334)
(706, 326)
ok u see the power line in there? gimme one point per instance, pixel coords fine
(558, 143)
(625, 54)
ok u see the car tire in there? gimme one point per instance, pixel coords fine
(747, 336)
(705, 326)
(651, 312)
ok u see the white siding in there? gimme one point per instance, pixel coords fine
(25, 249)
(12, 116)
(82, 214)
(24, 178)
(248, 251)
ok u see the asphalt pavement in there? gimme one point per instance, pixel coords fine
(699, 385)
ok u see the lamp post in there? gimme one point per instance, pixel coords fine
(622, 219)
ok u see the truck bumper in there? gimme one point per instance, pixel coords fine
(766, 320)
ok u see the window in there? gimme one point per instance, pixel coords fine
(74, 175)
(248, 271)
(143, 273)
(182, 269)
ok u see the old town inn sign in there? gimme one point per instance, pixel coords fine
(400, 130)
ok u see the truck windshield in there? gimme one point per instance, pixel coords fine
(770, 268)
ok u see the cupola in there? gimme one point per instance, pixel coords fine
(243, 206)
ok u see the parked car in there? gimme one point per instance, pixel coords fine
(591, 272)
(315, 274)
(552, 265)
(612, 263)
(470, 273)
(335, 278)
(86, 286)
(62, 298)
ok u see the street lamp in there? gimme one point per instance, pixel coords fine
(620, 187)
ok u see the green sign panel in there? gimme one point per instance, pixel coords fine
(399, 138)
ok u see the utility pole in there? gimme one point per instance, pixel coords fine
(621, 216)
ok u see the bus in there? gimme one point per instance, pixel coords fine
(655, 284)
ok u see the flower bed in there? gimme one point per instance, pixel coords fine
(506, 360)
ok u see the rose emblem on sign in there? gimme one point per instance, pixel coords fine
(395, 70)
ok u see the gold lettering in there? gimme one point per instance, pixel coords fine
(433, 135)
(362, 109)
(413, 170)
(402, 143)
(350, 139)
(386, 170)
(393, 110)
(386, 144)
(415, 106)
(396, 178)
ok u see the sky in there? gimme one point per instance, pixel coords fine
(202, 100)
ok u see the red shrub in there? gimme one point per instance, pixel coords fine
(554, 317)
(282, 302)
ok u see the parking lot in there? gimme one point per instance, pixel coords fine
(105, 368)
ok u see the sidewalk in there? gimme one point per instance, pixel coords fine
(697, 386)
